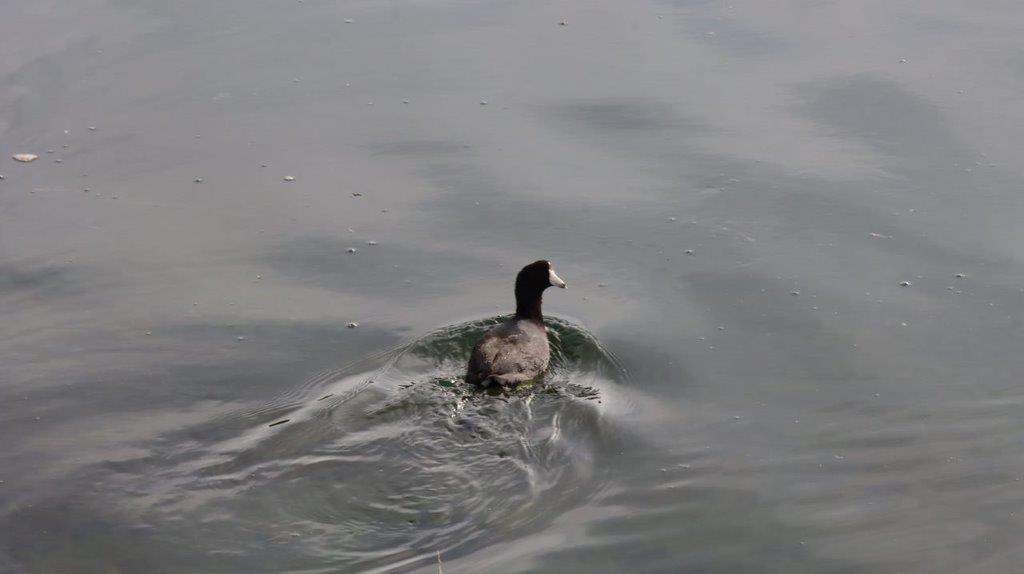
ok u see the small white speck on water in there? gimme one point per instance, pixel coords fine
(673, 219)
(352, 325)
(736, 417)
(794, 293)
(289, 178)
(483, 102)
(240, 338)
(2, 176)
(92, 128)
(601, 285)
(904, 324)
(198, 180)
(25, 157)
(195, 303)
(701, 338)
(689, 252)
(960, 275)
(49, 151)
(259, 277)
(263, 165)
(371, 243)
(814, 308)
(149, 332)
(351, 250)
(903, 60)
(563, 23)
(383, 211)
(721, 327)
(348, 21)
(65, 146)
(905, 283)
(58, 161)
(405, 101)
(369, 103)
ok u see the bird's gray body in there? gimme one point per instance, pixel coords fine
(510, 353)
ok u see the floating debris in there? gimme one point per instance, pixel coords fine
(25, 157)
(289, 178)
(905, 283)
(356, 194)
(352, 325)
(280, 422)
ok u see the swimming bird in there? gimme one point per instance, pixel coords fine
(517, 350)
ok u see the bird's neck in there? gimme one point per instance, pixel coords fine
(528, 305)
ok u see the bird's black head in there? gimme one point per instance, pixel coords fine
(530, 285)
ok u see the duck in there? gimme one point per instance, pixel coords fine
(516, 350)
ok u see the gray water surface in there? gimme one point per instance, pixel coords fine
(791, 341)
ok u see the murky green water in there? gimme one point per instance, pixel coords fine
(790, 341)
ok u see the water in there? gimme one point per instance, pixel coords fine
(688, 166)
